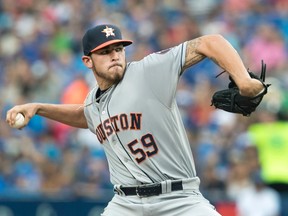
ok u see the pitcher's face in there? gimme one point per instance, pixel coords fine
(108, 65)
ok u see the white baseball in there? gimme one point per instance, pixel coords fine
(19, 121)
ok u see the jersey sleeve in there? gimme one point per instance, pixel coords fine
(162, 72)
(88, 108)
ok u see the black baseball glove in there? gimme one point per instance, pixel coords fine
(230, 99)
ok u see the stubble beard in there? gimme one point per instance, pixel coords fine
(111, 77)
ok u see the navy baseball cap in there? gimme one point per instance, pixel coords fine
(101, 36)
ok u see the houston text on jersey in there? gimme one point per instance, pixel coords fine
(118, 123)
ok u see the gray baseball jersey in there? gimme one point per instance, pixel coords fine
(138, 122)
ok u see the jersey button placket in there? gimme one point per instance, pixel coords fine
(114, 140)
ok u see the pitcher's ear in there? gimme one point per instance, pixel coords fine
(87, 61)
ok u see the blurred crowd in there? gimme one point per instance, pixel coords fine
(40, 61)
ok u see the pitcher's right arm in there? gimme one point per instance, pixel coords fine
(69, 114)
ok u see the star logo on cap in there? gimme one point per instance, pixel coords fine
(108, 31)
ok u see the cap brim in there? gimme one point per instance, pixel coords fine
(124, 42)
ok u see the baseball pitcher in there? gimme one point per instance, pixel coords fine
(133, 113)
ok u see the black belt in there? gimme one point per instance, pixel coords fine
(146, 190)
